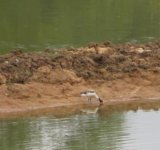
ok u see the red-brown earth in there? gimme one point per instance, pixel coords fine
(55, 78)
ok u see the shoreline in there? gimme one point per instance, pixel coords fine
(64, 110)
(49, 80)
(18, 105)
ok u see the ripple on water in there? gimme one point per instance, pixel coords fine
(116, 131)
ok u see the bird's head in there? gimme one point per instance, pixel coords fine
(100, 100)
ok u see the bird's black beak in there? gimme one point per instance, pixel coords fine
(100, 100)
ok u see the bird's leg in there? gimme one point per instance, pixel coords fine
(90, 99)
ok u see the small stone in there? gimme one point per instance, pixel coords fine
(6, 62)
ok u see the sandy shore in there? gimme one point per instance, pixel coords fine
(119, 74)
(37, 98)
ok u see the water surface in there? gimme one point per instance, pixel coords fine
(125, 130)
(40, 24)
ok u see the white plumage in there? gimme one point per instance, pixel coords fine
(91, 94)
(90, 111)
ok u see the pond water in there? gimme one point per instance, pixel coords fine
(125, 130)
(40, 24)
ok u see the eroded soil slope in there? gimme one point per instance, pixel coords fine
(56, 77)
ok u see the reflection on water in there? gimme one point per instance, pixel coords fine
(113, 130)
(56, 23)
(90, 111)
(77, 132)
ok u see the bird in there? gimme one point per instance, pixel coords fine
(90, 111)
(90, 94)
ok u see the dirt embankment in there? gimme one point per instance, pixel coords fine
(56, 77)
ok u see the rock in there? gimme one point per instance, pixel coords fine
(140, 50)
(44, 69)
(104, 50)
(89, 50)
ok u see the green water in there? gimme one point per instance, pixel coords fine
(40, 24)
(116, 131)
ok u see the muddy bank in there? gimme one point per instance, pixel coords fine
(56, 77)
(86, 108)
